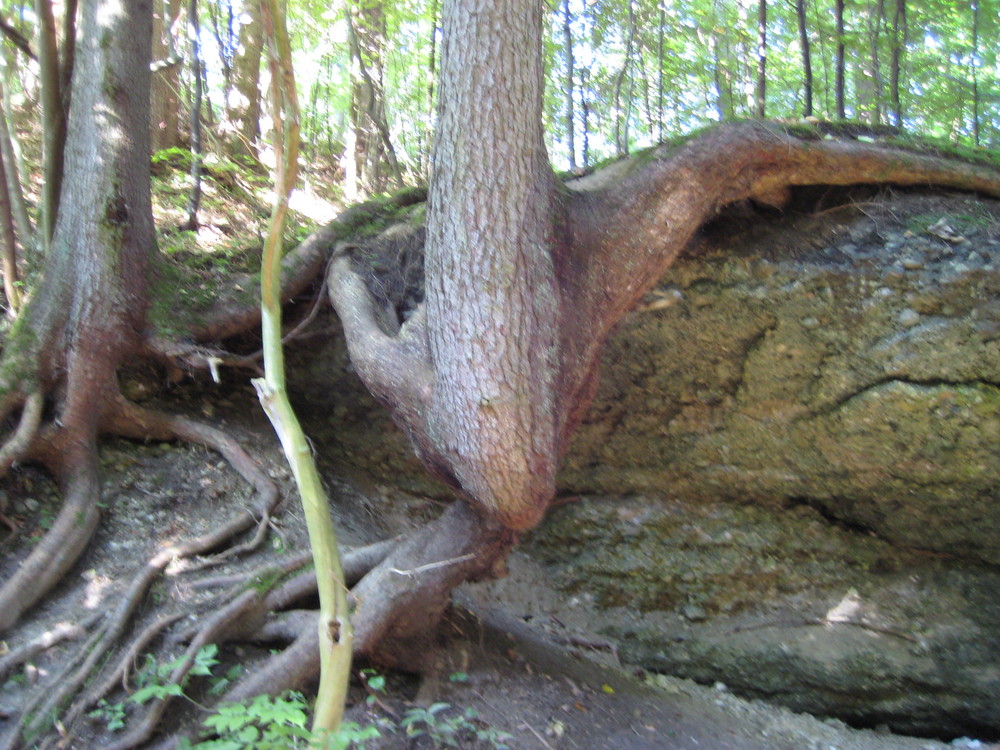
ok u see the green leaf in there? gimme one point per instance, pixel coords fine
(205, 659)
(155, 692)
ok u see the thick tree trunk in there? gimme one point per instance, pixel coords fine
(474, 386)
(88, 313)
(490, 277)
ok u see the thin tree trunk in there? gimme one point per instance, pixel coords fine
(425, 163)
(876, 19)
(194, 197)
(659, 71)
(585, 106)
(570, 87)
(15, 190)
(373, 149)
(839, 77)
(898, 47)
(807, 76)
(974, 70)
(53, 118)
(68, 51)
(621, 112)
(8, 245)
(760, 98)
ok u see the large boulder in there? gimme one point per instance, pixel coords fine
(849, 361)
(791, 470)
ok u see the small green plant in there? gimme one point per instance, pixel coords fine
(219, 684)
(267, 723)
(154, 678)
(153, 683)
(374, 682)
(111, 714)
(451, 731)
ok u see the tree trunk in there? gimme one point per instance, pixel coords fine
(760, 96)
(243, 100)
(89, 311)
(807, 75)
(570, 86)
(974, 72)
(165, 106)
(497, 274)
(838, 11)
(899, 40)
(53, 118)
(374, 166)
(194, 195)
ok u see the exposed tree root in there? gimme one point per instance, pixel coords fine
(404, 587)
(19, 443)
(62, 545)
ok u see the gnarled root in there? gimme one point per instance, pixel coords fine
(399, 602)
(61, 546)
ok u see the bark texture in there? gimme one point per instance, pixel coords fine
(243, 100)
(479, 376)
(164, 124)
(88, 313)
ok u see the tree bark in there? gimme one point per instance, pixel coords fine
(164, 123)
(838, 11)
(371, 159)
(243, 100)
(760, 96)
(807, 76)
(88, 312)
(53, 117)
(570, 83)
(194, 195)
(899, 40)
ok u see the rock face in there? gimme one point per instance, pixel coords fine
(849, 365)
(792, 467)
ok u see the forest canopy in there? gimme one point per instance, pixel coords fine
(621, 74)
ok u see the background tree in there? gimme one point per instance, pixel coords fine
(760, 93)
(807, 76)
(243, 98)
(87, 316)
(164, 102)
(370, 158)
